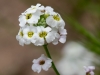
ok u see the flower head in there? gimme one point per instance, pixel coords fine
(41, 63)
(41, 25)
(89, 70)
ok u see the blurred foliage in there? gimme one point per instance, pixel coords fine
(90, 40)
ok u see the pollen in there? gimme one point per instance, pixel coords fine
(43, 34)
(41, 62)
(30, 34)
(28, 16)
(56, 17)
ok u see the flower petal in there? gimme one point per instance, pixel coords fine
(36, 68)
(62, 39)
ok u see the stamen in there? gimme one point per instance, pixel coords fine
(21, 33)
(42, 62)
(56, 17)
(30, 34)
(43, 34)
(28, 16)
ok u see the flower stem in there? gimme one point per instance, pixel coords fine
(48, 54)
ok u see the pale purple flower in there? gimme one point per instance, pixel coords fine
(89, 70)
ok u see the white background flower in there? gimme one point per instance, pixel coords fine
(74, 57)
(41, 63)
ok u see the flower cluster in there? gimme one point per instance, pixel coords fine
(89, 70)
(40, 25)
(41, 63)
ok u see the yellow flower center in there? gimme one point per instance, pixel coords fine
(43, 34)
(28, 16)
(30, 34)
(21, 34)
(56, 17)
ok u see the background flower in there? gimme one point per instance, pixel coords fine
(74, 57)
(89, 70)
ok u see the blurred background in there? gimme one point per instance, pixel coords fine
(82, 47)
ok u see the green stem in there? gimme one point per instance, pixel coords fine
(48, 54)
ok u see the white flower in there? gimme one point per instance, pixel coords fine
(20, 38)
(55, 20)
(44, 34)
(63, 34)
(57, 36)
(28, 18)
(49, 10)
(29, 33)
(41, 63)
(33, 9)
(89, 70)
(31, 15)
(61, 37)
